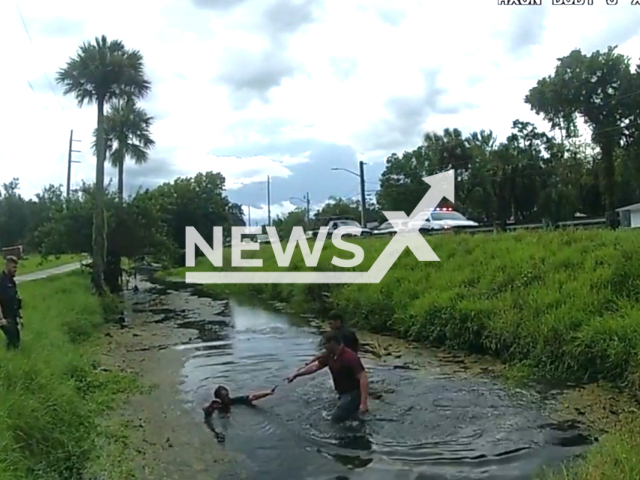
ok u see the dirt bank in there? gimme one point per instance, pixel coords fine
(169, 438)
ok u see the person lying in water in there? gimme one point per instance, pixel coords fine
(223, 401)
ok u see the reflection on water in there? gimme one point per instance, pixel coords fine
(432, 425)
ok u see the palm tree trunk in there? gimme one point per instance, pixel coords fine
(99, 227)
(121, 179)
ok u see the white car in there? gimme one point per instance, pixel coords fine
(445, 219)
(387, 228)
(335, 224)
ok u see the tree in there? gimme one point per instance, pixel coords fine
(100, 73)
(197, 202)
(284, 224)
(596, 88)
(337, 206)
(14, 215)
(127, 134)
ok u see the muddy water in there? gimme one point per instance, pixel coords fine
(426, 424)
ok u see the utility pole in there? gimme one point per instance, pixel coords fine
(308, 209)
(363, 198)
(249, 207)
(70, 161)
(268, 201)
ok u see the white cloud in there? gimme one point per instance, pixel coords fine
(354, 76)
(260, 216)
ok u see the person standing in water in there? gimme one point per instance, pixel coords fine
(349, 337)
(350, 378)
(223, 401)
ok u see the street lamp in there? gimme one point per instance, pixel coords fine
(363, 199)
(306, 201)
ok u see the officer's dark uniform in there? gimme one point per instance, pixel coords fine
(11, 304)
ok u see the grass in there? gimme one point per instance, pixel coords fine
(53, 396)
(561, 305)
(616, 457)
(34, 263)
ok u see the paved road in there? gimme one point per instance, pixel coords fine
(48, 272)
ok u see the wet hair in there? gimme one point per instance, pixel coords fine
(217, 393)
(337, 316)
(10, 259)
(332, 337)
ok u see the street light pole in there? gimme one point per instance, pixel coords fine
(307, 202)
(363, 198)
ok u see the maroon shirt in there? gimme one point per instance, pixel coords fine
(345, 369)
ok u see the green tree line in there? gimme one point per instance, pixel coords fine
(151, 223)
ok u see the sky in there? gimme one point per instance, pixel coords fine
(286, 88)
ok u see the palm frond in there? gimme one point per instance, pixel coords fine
(127, 132)
(105, 70)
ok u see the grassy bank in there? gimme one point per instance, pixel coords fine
(562, 305)
(34, 263)
(53, 396)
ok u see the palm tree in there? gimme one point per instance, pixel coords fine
(100, 73)
(127, 134)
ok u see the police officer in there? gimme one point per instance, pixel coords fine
(10, 303)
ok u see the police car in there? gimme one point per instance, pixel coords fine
(441, 219)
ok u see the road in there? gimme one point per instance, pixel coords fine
(69, 267)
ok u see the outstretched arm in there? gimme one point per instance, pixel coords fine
(314, 359)
(260, 395)
(308, 370)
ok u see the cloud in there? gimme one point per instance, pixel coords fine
(392, 16)
(343, 67)
(313, 176)
(57, 27)
(218, 5)
(406, 115)
(618, 27)
(250, 73)
(526, 30)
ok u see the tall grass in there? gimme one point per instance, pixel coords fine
(563, 303)
(52, 393)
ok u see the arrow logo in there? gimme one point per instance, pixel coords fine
(408, 228)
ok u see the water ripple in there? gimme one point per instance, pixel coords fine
(422, 425)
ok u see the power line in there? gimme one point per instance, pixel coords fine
(34, 92)
(26, 29)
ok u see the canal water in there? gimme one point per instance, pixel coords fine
(424, 424)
